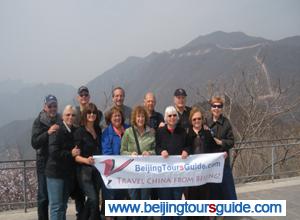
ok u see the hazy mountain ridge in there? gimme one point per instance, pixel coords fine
(218, 56)
(28, 100)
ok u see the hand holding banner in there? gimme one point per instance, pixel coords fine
(121, 172)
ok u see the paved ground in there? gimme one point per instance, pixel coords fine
(287, 189)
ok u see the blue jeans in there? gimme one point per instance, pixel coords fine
(42, 197)
(91, 188)
(59, 192)
(226, 189)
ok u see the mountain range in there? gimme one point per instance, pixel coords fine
(216, 57)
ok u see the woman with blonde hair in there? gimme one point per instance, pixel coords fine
(139, 139)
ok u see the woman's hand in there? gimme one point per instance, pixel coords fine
(225, 155)
(164, 154)
(218, 141)
(75, 151)
(184, 154)
(146, 153)
(90, 160)
(134, 154)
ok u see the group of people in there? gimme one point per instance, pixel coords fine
(65, 145)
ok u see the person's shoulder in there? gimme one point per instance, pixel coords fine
(108, 129)
(188, 108)
(37, 120)
(128, 131)
(126, 126)
(127, 108)
(180, 129)
(149, 130)
(80, 130)
(158, 114)
(161, 129)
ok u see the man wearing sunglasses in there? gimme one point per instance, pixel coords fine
(223, 135)
(83, 99)
(44, 125)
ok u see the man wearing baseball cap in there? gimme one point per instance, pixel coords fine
(83, 99)
(183, 110)
(45, 124)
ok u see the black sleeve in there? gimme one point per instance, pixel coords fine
(39, 136)
(78, 138)
(211, 145)
(161, 118)
(158, 138)
(187, 145)
(228, 140)
(56, 150)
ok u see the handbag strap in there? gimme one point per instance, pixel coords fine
(136, 141)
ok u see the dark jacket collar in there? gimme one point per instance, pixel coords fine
(219, 121)
(45, 119)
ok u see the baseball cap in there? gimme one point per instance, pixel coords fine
(83, 89)
(50, 99)
(180, 92)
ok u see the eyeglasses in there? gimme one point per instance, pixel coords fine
(69, 114)
(91, 112)
(217, 106)
(196, 119)
(84, 94)
(174, 115)
(52, 106)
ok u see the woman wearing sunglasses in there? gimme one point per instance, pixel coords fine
(171, 140)
(201, 141)
(60, 167)
(222, 132)
(88, 139)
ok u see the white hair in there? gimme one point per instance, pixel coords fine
(69, 107)
(170, 110)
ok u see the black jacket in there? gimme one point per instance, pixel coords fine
(174, 142)
(61, 163)
(222, 130)
(155, 119)
(39, 138)
(184, 121)
(88, 147)
(207, 143)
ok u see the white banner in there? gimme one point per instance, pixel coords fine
(122, 172)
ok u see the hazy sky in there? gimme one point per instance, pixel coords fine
(73, 41)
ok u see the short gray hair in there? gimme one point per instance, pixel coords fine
(69, 107)
(169, 111)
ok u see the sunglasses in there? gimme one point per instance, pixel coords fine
(91, 112)
(51, 106)
(197, 119)
(69, 114)
(174, 115)
(84, 94)
(217, 106)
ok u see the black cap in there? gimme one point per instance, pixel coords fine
(50, 99)
(180, 92)
(83, 89)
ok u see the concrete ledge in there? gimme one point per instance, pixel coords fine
(267, 185)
